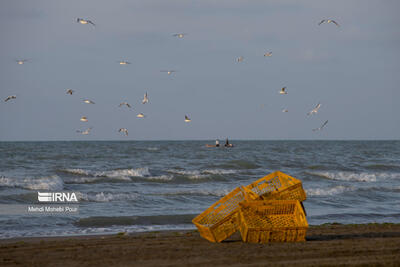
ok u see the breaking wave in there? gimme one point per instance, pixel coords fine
(119, 175)
(358, 177)
(197, 174)
(107, 196)
(41, 183)
(139, 172)
(328, 191)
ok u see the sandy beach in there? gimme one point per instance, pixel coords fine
(331, 244)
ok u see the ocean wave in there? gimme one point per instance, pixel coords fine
(190, 174)
(219, 171)
(385, 167)
(328, 191)
(358, 177)
(200, 192)
(201, 174)
(102, 221)
(139, 172)
(41, 183)
(75, 171)
(107, 196)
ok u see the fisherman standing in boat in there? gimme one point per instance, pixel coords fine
(217, 143)
(227, 144)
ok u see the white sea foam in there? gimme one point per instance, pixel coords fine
(161, 178)
(359, 177)
(41, 183)
(139, 172)
(190, 174)
(197, 174)
(107, 197)
(77, 171)
(219, 171)
(328, 191)
(61, 231)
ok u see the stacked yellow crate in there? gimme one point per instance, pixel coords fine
(259, 220)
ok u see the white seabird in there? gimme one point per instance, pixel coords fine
(145, 99)
(320, 128)
(239, 59)
(10, 97)
(179, 35)
(123, 62)
(84, 21)
(268, 54)
(123, 130)
(285, 110)
(315, 110)
(187, 119)
(169, 72)
(70, 91)
(283, 91)
(21, 61)
(329, 21)
(125, 103)
(87, 101)
(140, 115)
(84, 118)
(85, 132)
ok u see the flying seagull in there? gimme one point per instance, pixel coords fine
(126, 104)
(268, 54)
(239, 59)
(85, 132)
(21, 61)
(123, 62)
(283, 91)
(187, 119)
(179, 35)
(70, 91)
(320, 128)
(145, 99)
(140, 115)
(328, 21)
(169, 72)
(123, 130)
(84, 118)
(315, 110)
(87, 101)
(84, 21)
(285, 110)
(10, 97)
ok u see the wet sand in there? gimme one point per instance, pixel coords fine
(368, 244)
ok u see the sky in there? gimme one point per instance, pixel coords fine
(352, 70)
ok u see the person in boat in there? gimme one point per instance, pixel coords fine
(216, 144)
(227, 144)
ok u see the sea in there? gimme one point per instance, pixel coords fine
(136, 186)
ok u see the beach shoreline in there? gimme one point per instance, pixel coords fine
(329, 244)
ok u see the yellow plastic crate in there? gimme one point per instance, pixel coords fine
(272, 221)
(220, 220)
(278, 185)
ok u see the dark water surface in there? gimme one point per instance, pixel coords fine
(139, 186)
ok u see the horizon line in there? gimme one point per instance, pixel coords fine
(196, 140)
